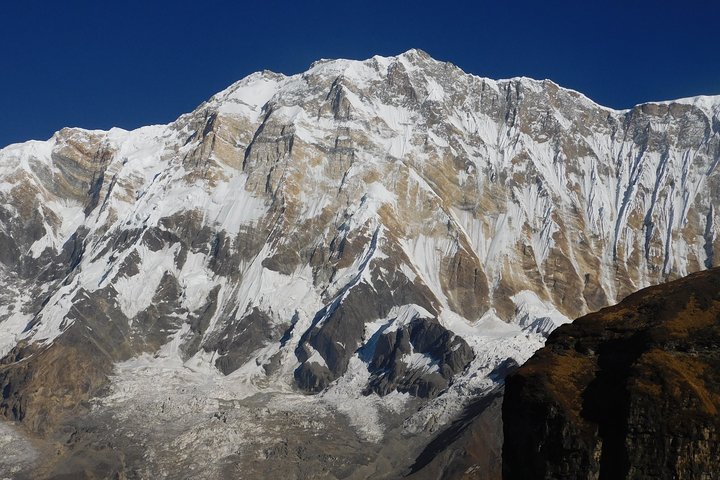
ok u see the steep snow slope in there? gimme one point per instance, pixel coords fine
(377, 231)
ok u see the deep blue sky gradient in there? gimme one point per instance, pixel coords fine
(97, 64)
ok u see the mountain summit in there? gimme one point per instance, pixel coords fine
(389, 235)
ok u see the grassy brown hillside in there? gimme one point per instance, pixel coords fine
(631, 391)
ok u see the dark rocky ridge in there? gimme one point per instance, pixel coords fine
(631, 391)
(449, 352)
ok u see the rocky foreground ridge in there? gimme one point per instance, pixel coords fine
(355, 252)
(631, 391)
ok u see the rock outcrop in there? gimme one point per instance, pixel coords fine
(419, 357)
(631, 391)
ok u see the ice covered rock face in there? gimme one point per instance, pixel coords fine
(291, 226)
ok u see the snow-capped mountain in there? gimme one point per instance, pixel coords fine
(387, 234)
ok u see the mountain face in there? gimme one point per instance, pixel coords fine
(631, 391)
(387, 235)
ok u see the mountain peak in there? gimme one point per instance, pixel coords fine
(416, 54)
(390, 232)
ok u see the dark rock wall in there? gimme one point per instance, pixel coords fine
(631, 391)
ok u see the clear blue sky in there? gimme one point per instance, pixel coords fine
(128, 63)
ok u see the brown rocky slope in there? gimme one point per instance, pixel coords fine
(631, 391)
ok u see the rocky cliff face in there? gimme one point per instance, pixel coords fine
(383, 233)
(631, 391)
